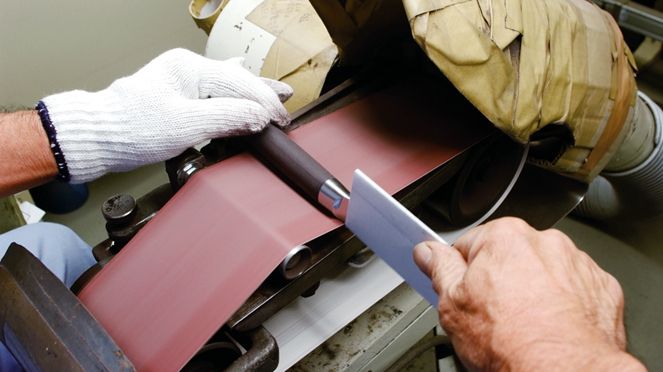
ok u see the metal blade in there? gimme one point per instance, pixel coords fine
(390, 230)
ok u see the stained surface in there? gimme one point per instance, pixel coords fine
(212, 245)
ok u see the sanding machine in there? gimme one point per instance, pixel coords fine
(242, 261)
(422, 139)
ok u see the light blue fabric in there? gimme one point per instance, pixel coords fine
(59, 248)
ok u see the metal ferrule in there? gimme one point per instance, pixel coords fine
(187, 170)
(296, 262)
(335, 197)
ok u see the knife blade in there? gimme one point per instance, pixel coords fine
(390, 230)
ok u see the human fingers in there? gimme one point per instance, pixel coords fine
(502, 233)
(443, 264)
(220, 117)
(230, 79)
(193, 76)
(282, 90)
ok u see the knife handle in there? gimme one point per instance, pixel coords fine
(317, 183)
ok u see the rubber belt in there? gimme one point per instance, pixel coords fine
(178, 281)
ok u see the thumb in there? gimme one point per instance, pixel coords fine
(443, 264)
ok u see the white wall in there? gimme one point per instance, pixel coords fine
(52, 46)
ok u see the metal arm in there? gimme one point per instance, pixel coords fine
(635, 17)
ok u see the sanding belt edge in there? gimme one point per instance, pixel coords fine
(177, 282)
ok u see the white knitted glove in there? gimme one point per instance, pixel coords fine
(176, 101)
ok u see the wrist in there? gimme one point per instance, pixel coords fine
(27, 159)
(79, 124)
(543, 342)
(617, 361)
(585, 355)
(54, 145)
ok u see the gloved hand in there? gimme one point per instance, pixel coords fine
(176, 101)
(526, 64)
(513, 298)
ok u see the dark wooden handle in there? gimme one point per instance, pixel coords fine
(274, 147)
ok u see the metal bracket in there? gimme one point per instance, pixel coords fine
(635, 17)
(45, 326)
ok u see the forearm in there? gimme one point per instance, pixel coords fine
(26, 159)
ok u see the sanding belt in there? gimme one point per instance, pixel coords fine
(179, 280)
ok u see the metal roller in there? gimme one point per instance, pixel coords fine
(296, 262)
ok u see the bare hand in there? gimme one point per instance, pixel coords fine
(512, 297)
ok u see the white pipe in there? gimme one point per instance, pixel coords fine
(636, 191)
(601, 201)
(639, 141)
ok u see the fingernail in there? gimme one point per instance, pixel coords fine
(422, 255)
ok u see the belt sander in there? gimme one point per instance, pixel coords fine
(192, 269)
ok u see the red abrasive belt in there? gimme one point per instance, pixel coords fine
(177, 282)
